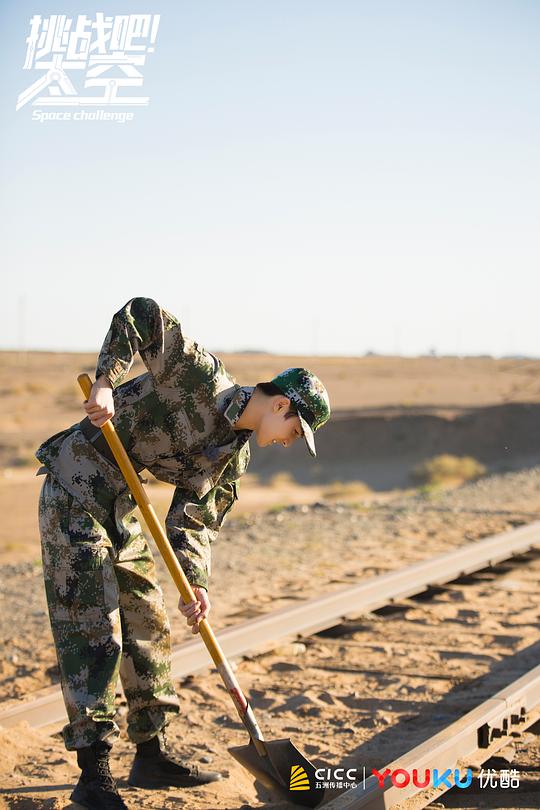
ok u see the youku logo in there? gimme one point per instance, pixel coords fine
(110, 52)
(401, 778)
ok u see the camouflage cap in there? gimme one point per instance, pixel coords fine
(309, 397)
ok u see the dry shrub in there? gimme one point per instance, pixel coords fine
(282, 479)
(70, 395)
(36, 388)
(24, 457)
(276, 508)
(444, 468)
(13, 390)
(346, 489)
(250, 480)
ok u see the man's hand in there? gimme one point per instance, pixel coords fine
(197, 610)
(100, 405)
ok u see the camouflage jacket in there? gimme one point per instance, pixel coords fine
(176, 420)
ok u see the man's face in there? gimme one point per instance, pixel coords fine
(275, 428)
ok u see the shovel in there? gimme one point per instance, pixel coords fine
(277, 764)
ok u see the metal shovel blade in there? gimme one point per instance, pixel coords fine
(284, 769)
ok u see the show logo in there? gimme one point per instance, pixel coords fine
(103, 56)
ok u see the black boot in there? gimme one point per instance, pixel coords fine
(155, 766)
(96, 788)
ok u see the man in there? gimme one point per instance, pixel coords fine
(188, 423)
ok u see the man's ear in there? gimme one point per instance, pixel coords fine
(281, 404)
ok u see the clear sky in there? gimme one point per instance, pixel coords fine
(310, 176)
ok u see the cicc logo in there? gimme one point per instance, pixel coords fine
(299, 779)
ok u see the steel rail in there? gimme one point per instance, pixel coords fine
(313, 615)
(473, 738)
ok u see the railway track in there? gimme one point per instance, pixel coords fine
(471, 740)
(363, 634)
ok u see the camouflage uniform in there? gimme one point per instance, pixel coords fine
(106, 608)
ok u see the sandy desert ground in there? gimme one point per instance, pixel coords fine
(362, 694)
(388, 414)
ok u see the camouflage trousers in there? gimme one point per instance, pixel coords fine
(108, 619)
